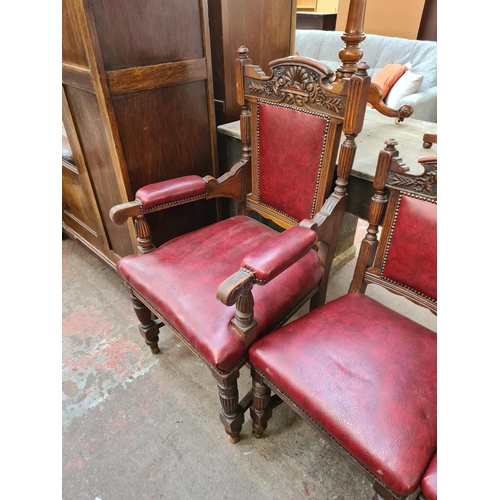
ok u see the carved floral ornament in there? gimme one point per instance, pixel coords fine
(296, 86)
(426, 183)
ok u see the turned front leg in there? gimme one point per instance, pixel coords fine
(260, 410)
(147, 326)
(231, 414)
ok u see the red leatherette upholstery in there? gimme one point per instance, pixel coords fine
(289, 190)
(165, 192)
(180, 280)
(367, 375)
(429, 481)
(275, 255)
(412, 256)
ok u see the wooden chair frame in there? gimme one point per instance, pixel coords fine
(342, 96)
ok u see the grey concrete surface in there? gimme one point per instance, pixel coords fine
(140, 426)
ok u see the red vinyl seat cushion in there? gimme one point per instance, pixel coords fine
(429, 481)
(367, 375)
(180, 280)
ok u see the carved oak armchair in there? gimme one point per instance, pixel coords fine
(223, 286)
(361, 374)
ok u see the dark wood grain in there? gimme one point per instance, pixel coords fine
(137, 75)
(316, 21)
(73, 45)
(95, 147)
(129, 80)
(158, 129)
(266, 28)
(77, 76)
(147, 32)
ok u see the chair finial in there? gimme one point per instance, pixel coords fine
(242, 52)
(391, 144)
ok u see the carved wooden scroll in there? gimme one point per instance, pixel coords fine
(295, 81)
(425, 183)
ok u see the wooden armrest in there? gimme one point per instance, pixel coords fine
(279, 253)
(160, 195)
(229, 185)
(269, 260)
(375, 99)
(259, 267)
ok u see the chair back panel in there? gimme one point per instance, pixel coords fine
(404, 258)
(296, 116)
(290, 153)
(411, 255)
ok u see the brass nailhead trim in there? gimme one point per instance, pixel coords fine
(198, 197)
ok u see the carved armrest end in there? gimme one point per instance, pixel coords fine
(259, 267)
(119, 214)
(375, 99)
(237, 289)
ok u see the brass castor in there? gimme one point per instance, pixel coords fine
(232, 439)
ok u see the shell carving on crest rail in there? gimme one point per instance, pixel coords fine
(296, 85)
(423, 184)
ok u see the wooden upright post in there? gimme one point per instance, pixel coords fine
(351, 54)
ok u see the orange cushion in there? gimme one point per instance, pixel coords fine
(388, 76)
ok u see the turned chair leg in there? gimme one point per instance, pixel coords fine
(231, 414)
(260, 410)
(147, 326)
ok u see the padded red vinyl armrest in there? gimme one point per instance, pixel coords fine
(279, 253)
(189, 187)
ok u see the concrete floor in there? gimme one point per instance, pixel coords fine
(140, 426)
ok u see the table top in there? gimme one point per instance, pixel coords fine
(377, 129)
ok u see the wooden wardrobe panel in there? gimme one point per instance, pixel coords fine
(147, 32)
(75, 211)
(176, 221)
(95, 149)
(143, 109)
(164, 136)
(73, 47)
(266, 28)
(162, 133)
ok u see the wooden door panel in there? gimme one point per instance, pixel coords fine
(73, 47)
(146, 32)
(165, 136)
(76, 213)
(95, 149)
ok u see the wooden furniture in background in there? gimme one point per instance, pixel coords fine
(316, 21)
(266, 28)
(317, 5)
(428, 23)
(428, 140)
(306, 5)
(362, 375)
(138, 107)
